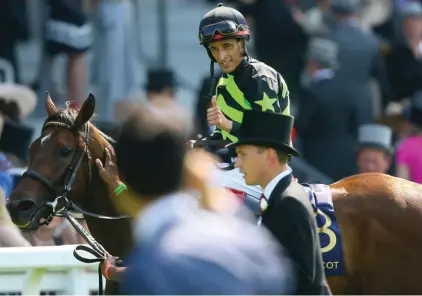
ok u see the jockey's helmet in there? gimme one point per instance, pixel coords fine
(222, 23)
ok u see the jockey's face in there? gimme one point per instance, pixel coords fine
(373, 160)
(252, 162)
(228, 53)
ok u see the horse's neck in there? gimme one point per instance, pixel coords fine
(114, 235)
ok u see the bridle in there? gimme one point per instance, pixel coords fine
(61, 202)
(63, 206)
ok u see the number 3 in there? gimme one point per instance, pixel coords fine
(332, 239)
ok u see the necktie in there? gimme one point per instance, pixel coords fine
(262, 207)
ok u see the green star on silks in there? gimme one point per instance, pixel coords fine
(266, 103)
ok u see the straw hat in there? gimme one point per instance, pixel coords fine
(24, 97)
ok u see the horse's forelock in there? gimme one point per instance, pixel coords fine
(73, 105)
(68, 116)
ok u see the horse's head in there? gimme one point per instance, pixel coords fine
(60, 166)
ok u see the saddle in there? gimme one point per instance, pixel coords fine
(318, 194)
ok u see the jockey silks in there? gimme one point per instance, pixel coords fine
(252, 86)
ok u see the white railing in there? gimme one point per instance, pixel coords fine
(31, 270)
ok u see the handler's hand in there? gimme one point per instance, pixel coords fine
(109, 171)
(217, 118)
(106, 265)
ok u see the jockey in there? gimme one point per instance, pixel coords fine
(246, 83)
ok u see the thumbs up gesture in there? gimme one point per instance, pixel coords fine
(217, 118)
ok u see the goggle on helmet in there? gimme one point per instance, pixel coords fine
(222, 30)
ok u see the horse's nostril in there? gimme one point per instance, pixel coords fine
(21, 212)
(25, 205)
(20, 205)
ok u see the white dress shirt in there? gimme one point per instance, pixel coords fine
(273, 183)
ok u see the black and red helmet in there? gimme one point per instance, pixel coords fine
(222, 23)
(218, 24)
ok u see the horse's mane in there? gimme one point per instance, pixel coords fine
(68, 116)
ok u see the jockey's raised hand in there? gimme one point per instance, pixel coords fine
(216, 117)
(109, 171)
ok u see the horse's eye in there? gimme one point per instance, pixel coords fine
(65, 151)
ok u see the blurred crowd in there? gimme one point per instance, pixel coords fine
(353, 68)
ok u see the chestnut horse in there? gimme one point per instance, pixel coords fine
(62, 162)
(369, 233)
(379, 216)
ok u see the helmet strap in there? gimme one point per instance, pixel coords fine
(245, 49)
(210, 93)
(212, 80)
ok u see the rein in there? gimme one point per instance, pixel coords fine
(62, 206)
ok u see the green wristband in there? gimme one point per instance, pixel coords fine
(119, 189)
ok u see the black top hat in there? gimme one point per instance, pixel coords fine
(159, 79)
(267, 129)
(414, 112)
(15, 139)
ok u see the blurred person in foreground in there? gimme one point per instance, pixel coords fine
(263, 150)
(245, 84)
(374, 151)
(181, 248)
(409, 150)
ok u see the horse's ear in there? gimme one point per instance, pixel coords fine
(86, 112)
(49, 105)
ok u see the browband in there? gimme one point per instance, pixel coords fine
(56, 123)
